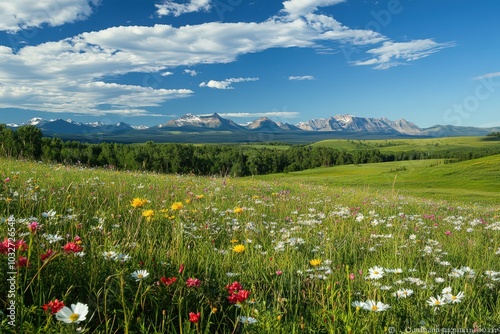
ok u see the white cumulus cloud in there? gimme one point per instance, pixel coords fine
(296, 8)
(16, 15)
(176, 9)
(225, 84)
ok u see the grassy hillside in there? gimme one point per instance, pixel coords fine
(418, 144)
(475, 180)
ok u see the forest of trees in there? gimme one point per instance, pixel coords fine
(27, 142)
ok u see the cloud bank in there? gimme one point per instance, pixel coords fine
(73, 74)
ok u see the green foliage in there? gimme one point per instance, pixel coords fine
(236, 160)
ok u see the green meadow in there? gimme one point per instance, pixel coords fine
(419, 144)
(376, 248)
(472, 181)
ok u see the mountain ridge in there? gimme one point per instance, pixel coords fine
(341, 125)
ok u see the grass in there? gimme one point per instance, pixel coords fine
(418, 144)
(305, 253)
(472, 181)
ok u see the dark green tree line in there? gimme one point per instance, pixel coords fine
(27, 143)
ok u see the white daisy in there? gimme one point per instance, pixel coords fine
(75, 314)
(446, 290)
(139, 275)
(376, 272)
(51, 238)
(247, 320)
(122, 257)
(371, 305)
(435, 302)
(403, 293)
(454, 298)
(109, 255)
(358, 305)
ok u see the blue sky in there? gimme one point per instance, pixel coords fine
(146, 62)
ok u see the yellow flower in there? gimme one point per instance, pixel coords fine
(238, 210)
(233, 241)
(177, 206)
(214, 310)
(239, 248)
(138, 202)
(315, 262)
(188, 201)
(199, 196)
(149, 214)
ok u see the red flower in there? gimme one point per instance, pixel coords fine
(54, 306)
(46, 255)
(193, 283)
(21, 245)
(194, 317)
(236, 293)
(4, 246)
(238, 297)
(22, 262)
(233, 287)
(181, 268)
(72, 247)
(33, 227)
(168, 281)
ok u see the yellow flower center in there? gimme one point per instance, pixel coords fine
(74, 317)
(139, 276)
(374, 307)
(437, 302)
(375, 272)
(453, 297)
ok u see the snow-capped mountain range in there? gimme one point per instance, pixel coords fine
(189, 123)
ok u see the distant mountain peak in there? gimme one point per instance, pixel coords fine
(213, 121)
(36, 121)
(353, 123)
(345, 124)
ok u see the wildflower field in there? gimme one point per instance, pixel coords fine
(99, 251)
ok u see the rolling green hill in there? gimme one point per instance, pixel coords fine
(417, 144)
(470, 181)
